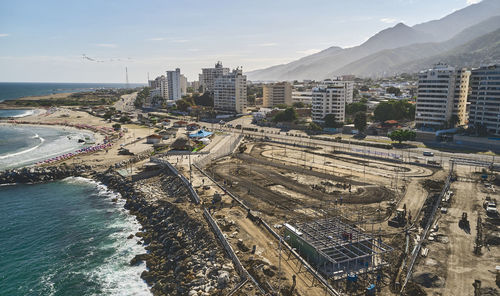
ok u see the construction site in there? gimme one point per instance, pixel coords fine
(310, 220)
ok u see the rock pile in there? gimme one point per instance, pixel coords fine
(43, 174)
(183, 255)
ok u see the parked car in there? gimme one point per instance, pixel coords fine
(428, 153)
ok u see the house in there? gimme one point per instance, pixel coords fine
(192, 126)
(182, 143)
(180, 123)
(153, 139)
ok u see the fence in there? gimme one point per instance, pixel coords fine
(239, 267)
(311, 270)
(192, 192)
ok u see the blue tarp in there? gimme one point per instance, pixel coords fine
(200, 134)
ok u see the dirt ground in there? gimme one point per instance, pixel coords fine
(451, 266)
(278, 186)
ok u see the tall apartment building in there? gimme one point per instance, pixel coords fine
(209, 75)
(184, 84)
(330, 98)
(277, 94)
(485, 98)
(230, 92)
(159, 83)
(174, 84)
(442, 92)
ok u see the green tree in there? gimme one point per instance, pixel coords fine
(141, 97)
(360, 121)
(117, 126)
(384, 111)
(124, 119)
(402, 135)
(183, 105)
(288, 115)
(353, 108)
(331, 121)
(299, 105)
(364, 88)
(393, 90)
(108, 114)
(314, 126)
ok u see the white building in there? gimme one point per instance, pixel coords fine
(330, 98)
(485, 98)
(209, 75)
(174, 85)
(277, 94)
(159, 83)
(442, 92)
(184, 84)
(302, 97)
(230, 92)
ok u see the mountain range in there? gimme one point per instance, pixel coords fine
(467, 37)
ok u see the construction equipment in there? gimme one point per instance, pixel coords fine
(464, 223)
(399, 220)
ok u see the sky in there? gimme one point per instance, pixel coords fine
(94, 40)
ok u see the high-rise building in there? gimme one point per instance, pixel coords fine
(330, 98)
(442, 97)
(174, 84)
(485, 98)
(277, 94)
(160, 83)
(230, 92)
(184, 84)
(209, 75)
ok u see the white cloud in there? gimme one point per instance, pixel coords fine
(267, 44)
(4, 35)
(388, 20)
(109, 45)
(180, 40)
(157, 39)
(309, 51)
(473, 1)
(193, 49)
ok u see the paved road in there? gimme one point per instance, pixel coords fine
(126, 103)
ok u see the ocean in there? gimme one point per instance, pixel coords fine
(23, 145)
(15, 90)
(66, 237)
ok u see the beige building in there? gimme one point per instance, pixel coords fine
(209, 75)
(442, 93)
(230, 92)
(277, 94)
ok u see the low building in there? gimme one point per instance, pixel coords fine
(335, 248)
(180, 123)
(304, 97)
(154, 139)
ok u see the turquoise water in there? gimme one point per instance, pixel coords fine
(22, 145)
(15, 112)
(66, 238)
(15, 90)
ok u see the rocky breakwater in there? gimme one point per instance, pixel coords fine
(183, 256)
(43, 174)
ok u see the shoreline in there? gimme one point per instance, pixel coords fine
(177, 244)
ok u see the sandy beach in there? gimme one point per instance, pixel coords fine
(103, 159)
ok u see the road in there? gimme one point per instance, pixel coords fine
(126, 103)
(299, 137)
